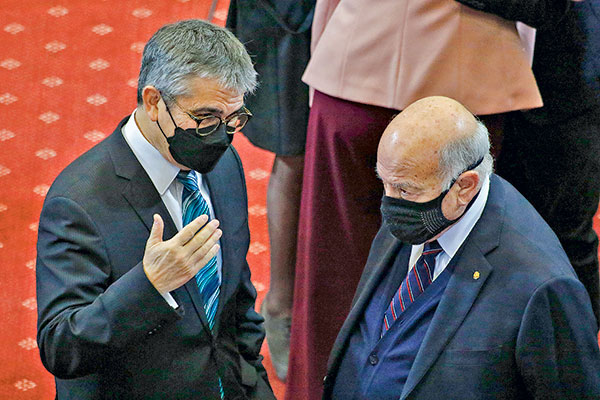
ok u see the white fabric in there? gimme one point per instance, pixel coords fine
(527, 35)
(453, 238)
(162, 174)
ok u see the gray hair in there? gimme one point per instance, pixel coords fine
(459, 154)
(194, 48)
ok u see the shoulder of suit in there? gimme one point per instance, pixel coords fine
(236, 155)
(231, 162)
(527, 246)
(90, 170)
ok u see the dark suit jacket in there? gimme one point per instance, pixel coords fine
(103, 330)
(522, 329)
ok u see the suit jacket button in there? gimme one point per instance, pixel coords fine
(373, 359)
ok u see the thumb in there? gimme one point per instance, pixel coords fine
(156, 233)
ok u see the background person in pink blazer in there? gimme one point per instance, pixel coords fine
(370, 60)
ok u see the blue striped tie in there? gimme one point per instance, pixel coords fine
(207, 279)
(417, 280)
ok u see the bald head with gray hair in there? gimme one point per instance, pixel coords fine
(194, 49)
(458, 154)
(434, 143)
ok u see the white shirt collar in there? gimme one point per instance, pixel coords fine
(161, 172)
(453, 238)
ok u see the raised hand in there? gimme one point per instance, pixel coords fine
(170, 264)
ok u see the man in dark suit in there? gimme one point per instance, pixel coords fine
(124, 230)
(467, 293)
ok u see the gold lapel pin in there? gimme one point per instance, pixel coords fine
(476, 275)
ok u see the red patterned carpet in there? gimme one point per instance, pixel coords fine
(68, 75)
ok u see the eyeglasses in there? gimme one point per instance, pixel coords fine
(210, 123)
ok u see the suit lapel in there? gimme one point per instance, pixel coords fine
(139, 192)
(384, 252)
(142, 196)
(219, 192)
(464, 285)
(194, 292)
(461, 292)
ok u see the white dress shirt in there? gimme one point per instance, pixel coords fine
(162, 174)
(453, 238)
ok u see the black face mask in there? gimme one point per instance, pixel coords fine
(200, 153)
(415, 223)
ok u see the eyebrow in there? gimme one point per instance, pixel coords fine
(205, 110)
(211, 110)
(402, 185)
(406, 186)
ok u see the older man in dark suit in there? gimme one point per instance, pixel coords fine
(142, 292)
(467, 293)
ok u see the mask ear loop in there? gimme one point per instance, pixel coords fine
(168, 111)
(469, 168)
(161, 131)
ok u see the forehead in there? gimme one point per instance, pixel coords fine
(210, 95)
(402, 162)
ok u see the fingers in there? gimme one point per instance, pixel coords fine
(203, 245)
(189, 231)
(203, 235)
(156, 233)
(169, 264)
(201, 257)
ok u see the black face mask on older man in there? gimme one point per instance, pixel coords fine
(416, 223)
(200, 153)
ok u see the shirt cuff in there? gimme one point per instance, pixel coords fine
(169, 299)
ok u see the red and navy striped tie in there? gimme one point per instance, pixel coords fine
(415, 283)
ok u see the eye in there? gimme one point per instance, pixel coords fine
(407, 193)
(200, 116)
(394, 190)
(208, 121)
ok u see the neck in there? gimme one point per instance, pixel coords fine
(142, 122)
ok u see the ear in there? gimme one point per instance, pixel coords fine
(460, 195)
(151, 98)
(466, 186)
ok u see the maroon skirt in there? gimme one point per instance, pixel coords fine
(339, 217)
